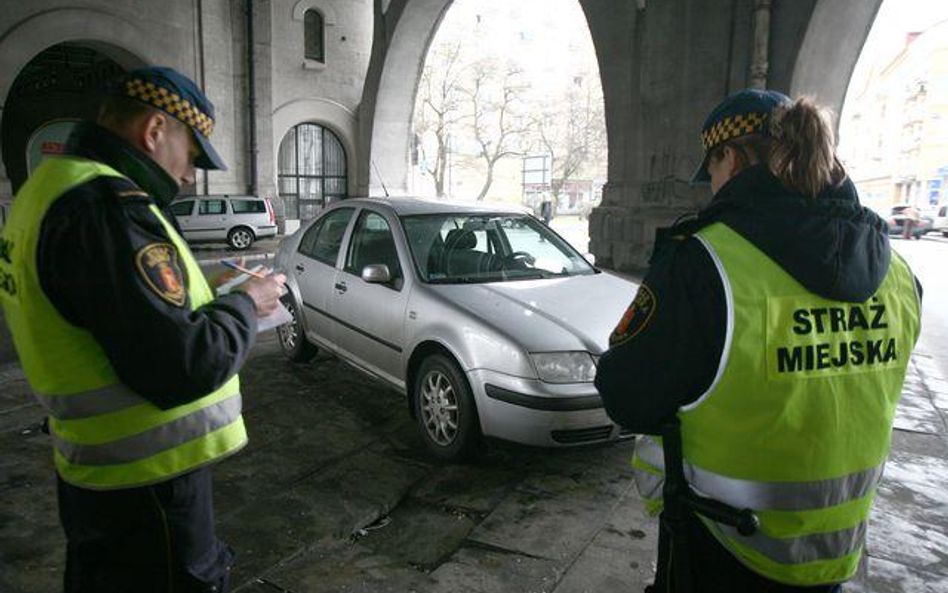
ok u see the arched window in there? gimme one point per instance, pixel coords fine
(312, 170)
(313, 38)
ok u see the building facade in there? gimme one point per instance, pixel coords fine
(315, 97)
(895, 131)
(291, 134)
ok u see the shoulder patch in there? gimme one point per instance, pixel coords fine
(125, 190)
(129, 193)
(636, 317)
(159, 267)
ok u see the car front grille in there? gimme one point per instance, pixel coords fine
(582, 435)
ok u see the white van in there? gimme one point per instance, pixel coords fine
(238, 220)
(940, 223)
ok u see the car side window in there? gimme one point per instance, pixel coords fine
(182, 208)
(248, 206)
(212, 207)
(324, 239)
(372, 243)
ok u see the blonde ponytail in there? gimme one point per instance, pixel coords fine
(803, 148)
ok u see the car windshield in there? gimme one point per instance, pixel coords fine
(454, 249)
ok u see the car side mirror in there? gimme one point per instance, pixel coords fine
(376, 274)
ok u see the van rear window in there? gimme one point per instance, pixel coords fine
(248, 206)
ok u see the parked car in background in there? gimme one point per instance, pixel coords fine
(941, 221)
(488, 321)
(238, 220)
(898, 215)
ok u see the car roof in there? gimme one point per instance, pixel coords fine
(218, 197)
(407, 206)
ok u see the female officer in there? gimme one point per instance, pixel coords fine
(777, 325)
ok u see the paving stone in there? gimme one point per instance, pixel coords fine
(418, 534)
(621, 557)
(548, 516)
(332, 504)
(476, 570)
(917, 414)
(474, 488)
(920, 443)
(890, 577)
(909, 523)
(342, 566)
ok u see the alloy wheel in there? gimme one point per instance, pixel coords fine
(289, 332)
(439, 408)
(241, 239)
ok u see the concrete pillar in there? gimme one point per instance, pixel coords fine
(666, 64)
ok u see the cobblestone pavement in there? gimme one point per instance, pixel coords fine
(334, 493)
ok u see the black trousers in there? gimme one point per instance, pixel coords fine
(714, 569)
(153, 539)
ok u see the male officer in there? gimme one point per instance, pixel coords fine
(777, 326)
(125, 344)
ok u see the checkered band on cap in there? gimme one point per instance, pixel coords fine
(170, 103)
(732, 127)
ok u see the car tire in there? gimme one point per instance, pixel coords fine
(240, 238)
(292, 338)
(445, 410)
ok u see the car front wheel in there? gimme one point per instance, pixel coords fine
(292, 337)
(445, 410)
(240, 238)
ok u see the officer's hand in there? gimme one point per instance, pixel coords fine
(265, 292)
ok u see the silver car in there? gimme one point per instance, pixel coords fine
(238, 220)
(488, 322)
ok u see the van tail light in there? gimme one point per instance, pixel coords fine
(273, 219)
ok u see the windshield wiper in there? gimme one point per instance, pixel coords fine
(463, 280)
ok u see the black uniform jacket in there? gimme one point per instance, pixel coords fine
(666, 351)
(108, 265)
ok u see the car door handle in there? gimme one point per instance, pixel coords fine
(341, 286)
(300, 269)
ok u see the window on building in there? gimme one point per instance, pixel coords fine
(312, 170)
(313, 38)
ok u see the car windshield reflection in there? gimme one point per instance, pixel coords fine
(463, 249)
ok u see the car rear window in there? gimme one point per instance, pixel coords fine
(248, 206)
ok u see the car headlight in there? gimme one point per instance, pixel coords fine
(565, 367)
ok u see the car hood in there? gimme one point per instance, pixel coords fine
(575, 313)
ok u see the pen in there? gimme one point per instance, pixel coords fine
(239, 268)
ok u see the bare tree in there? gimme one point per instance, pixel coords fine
(495, 93)
(440, 107)
(573, 132)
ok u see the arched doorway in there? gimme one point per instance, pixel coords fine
(59, 87)
(311, 170)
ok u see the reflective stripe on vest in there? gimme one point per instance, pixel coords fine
(105, 436)
(796, 422)
(155, 440)
(773, 496)
(112, 398)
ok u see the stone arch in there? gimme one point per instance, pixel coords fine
(837, 28)
(326, 113)
(389, 97)
(407, 28)
(324, 8)
(121, 40)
